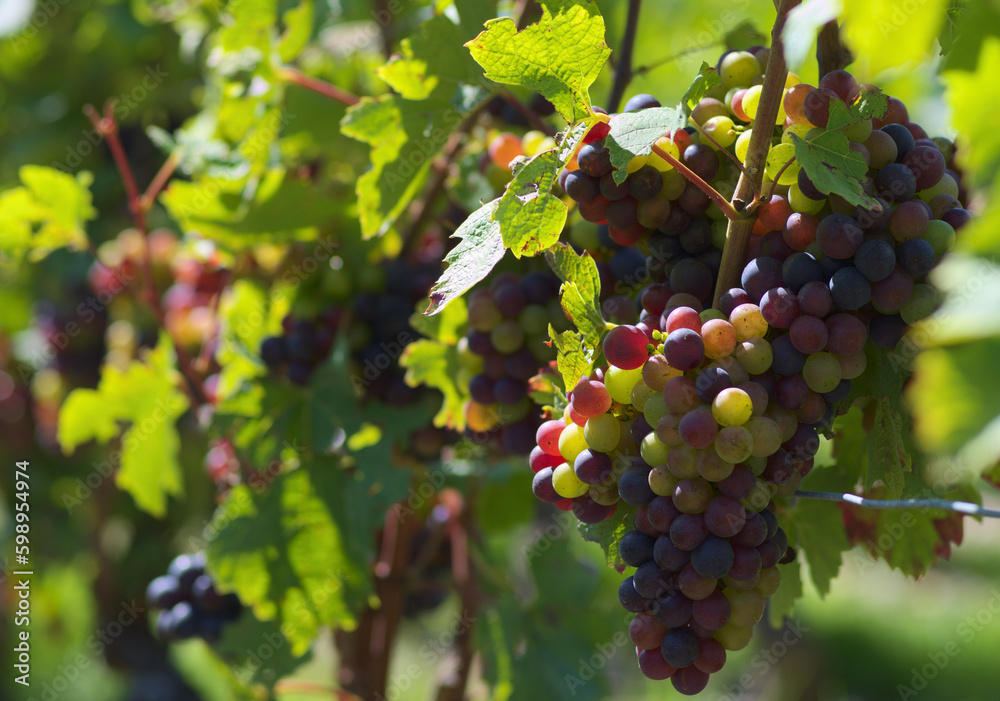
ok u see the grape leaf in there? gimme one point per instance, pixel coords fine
(436, 365)
(608, 533)
(146, 396)
(282, 552)
(574, 356)
(580, 292)
(706, 79)
(830, 163)
(817, 529)
(471, 260)
(891, 452)
(967, 26)
(530, 217)
(433, 62)
(802, 26)
(979, 140)
(559, 56)
(743, 36)
(906, 539)
(634, 133)
(47, 212)
(280, 210)
(782, 602)
(881, 34)
(298, 28)
(447, 327)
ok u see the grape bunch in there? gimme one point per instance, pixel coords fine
(503, 349)
(191, 605)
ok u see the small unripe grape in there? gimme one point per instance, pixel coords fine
(566, 483)
(732, 407)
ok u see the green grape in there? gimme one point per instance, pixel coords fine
(759, 497)
(766, 436)
(719, 229)
(605, 493)
(922, 302)
(733, 638)
(777, 157)
(739, 68)
(654, 409)
(802, 204)
(566, 483)
(507, 336)
(620, 383)
(737, 585)
(822, 372)
(748, 322)
(743, 145)
(747, 607)
(661, 481)
(640, 393)
(751, 101)
(799, 130)
(712, 467)
(673, 184)
(734, 444)
(754, 355)
(940, 235)
(945, 186)
(602, 433)
(534, 319)
(858, 131)
(721, 129)
(732, 407)
(769, 581)
(653, 450)
(572, 442)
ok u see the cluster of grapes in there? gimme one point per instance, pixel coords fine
(702, 416)
(503, 350)
(655, 209)
(191, 606)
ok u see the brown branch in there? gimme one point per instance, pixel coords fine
(831, 54)
(297, 77)
(673, 57)
(706, 135)
(107, 127)
(464, 571)
(693, 177)
(159, 182)
(740, 230)
(623, 69)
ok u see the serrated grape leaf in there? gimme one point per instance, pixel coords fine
(233, 658)
(47, 212)
(782, 602)
(881, 34)
(634, 133)
(706, 79)
(298, 28)
(146, 396)
(817, 530)
(891, 452)
(432, 62)
(559, 56)
(978, 138)
(580, 292)
(830, 163)
(406, 134)
(282, 551)
(435, 364)
(480, 249)
(802, 26)
(573, 356)
(448, 327)
(530, 217)
(608, 533)
(280, 210)
(907, 539)
(967, 26)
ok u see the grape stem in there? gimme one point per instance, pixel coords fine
(705, 135)
(107, 126)
(623, 69)
(642, 70)
(777, 177)
(772, 92)
(728, 209)
(297, 77)
(961, 507)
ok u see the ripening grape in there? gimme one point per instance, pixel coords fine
(732, 407)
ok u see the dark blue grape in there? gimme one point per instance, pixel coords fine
(875, 260)
(850, 289)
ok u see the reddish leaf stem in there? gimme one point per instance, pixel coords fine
(297, 77)
(693, 177)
